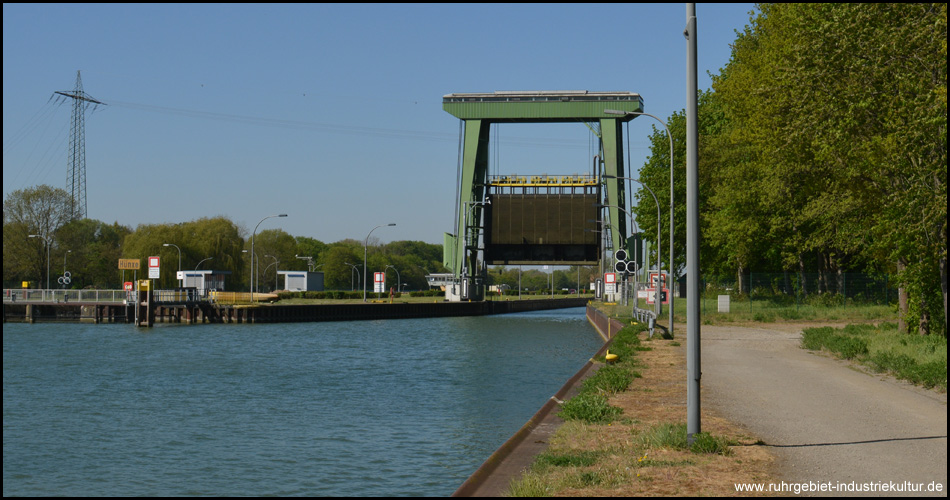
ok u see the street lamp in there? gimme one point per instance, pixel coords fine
(658, 256)
(47, 255)
(352, 287)
(398, 279)
(275, 270)
(64, 260)
(202, 280)
(179, 259)
(309, 260)
(202, 260)
(670, 136)
(253, 259)
(252, 248)
(365, 242)
(633, 222)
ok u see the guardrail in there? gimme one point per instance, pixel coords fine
(51, 296)
(645, 316)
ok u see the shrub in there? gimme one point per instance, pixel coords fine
(931, 374)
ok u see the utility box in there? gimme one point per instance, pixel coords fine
(723, 303)
(302, 281)
(205, 280)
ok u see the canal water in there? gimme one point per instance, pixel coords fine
(363, 408)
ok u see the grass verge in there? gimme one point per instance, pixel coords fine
(919, 359)
(618, 439)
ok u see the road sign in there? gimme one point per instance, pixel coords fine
(610, 278)
(153, 268)
(379, 282)
(664, 296)
(130, 264)
(657, 279)
(128, 286)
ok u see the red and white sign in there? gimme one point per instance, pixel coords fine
(128, 286)
(664, 296)
(610, 278)
(657, 277)
(379, 280)
(153, 268)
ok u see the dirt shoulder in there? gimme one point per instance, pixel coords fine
(625, 466)
(795, 419)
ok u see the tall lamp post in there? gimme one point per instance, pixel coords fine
(351, 275)
(276, 262)
(658, 256)
(253, 260)
(398, 279)
(693, 356)
(202, 280)
(365, 242)
(179, 259)
(202, 261)
(47, 255)
(670, 136)
(633, 222)
(252, 248)
(310, 267)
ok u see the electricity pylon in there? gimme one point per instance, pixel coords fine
(76, 156)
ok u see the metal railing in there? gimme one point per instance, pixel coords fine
(645, 316)
(52, 296)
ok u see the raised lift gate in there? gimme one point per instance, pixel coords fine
(534, 219)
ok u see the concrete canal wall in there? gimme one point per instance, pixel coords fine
(273, 313)
(510, 460)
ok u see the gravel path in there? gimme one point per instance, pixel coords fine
(826, 420)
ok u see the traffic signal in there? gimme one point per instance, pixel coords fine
(623, 265)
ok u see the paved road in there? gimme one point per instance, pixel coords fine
(825, 420)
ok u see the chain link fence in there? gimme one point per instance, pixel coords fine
(801, 289)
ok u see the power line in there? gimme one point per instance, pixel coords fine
(342, 129)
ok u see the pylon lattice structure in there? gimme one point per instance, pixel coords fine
(76, 155)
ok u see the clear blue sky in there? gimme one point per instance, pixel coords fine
(329, 113)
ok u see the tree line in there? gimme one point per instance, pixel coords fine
(822, 149)
(90, 250)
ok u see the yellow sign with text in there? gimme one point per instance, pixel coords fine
(131, 264)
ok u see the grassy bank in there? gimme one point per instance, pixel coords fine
(921, 360)
(620, 437)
